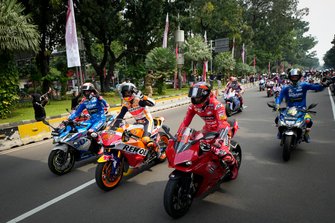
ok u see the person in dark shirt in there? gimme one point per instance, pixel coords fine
(39, 102)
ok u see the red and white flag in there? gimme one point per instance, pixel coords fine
(243, 54)
(166, 31)
(71, 41)
(254, 62)
(205, 68)
(269, 68)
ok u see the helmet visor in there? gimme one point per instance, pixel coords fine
(196, 92)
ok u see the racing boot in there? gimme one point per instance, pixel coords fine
(95, 146)
(307, 138)
(227, 159)
(152, 145)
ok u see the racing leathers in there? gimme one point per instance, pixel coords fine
(138, 109)
(214, 115)
(95, 106)
(295, 95)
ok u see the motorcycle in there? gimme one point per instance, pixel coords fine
(269, 88)
(291, 127)
(71, 145)
(261, 85)
(276, 89)
(332, 85)
(124, 150)
(233, 104)
(197, 169)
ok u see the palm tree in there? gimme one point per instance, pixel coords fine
(16, 34)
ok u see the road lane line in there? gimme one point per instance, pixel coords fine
(53, 201)
(332, 103)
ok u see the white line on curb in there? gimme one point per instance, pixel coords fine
(53, 201)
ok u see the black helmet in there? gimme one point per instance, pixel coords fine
(199, 93)
(295, 75)
(128, 91)
(87, 89)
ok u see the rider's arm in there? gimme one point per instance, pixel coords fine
(78, 111)
(282, 94)
(146, 101)
(104, 103)
(187, 120)
(120, 116)
(317, 87)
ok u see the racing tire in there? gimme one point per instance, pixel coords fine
(106, 177)
(287, 148)
(228, 111)
(61, 162)
(177, 201)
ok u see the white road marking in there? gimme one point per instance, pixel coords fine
(51, 202)
(332, 102)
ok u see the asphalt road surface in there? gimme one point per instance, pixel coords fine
(266, 190)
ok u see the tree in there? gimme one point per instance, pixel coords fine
(329, 58)
(225, 62)
(13, 38)
(162, 62)
(197, 50)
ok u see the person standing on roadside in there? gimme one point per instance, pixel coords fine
(39, 102)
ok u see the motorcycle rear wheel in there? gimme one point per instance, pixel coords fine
(61, 162)
(105, 178)
(177, 201)
(287, 148)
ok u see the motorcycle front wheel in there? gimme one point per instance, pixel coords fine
(61, 162)
(177, 199)
(287, 148)
(107, 177)
(228, 111)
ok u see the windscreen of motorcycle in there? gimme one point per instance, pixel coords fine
(183, 140)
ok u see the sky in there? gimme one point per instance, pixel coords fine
(321, 20)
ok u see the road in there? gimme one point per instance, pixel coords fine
(267, 189)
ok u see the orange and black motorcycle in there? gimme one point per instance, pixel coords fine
(124, 150)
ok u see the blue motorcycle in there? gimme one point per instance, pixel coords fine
(291, 127)
(72, 144)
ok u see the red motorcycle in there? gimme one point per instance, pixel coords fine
(124, 150)
(197, 169)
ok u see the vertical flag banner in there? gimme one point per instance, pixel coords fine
(166, 31)
(269, 68)
(205, 68)
(71, 41)
(243, 53)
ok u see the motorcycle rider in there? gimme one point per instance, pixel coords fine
(96, 107)
(136, 104)
(206, 105)
(233, 84)
(295, 95)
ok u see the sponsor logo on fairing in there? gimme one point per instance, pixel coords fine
(135, 150)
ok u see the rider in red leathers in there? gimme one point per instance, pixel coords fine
(206, 105)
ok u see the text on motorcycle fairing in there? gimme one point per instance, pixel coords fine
(135, 150)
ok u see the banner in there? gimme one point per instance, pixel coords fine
(205, 68)
(71, 41)
(166, 31)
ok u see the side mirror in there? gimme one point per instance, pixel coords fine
(311, 106)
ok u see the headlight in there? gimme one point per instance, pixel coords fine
(56, 139)
(188, 163)
(290, 122)
(297, 124)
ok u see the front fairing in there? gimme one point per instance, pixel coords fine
(292, 120)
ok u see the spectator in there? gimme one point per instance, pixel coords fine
(75, 100)
(39, 103)
(211, 80)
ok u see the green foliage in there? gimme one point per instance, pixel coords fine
(224, 62)
(16, 30)
(329, 57)
(8, 85)
(243, 69)
(196, 49)
(161, 60)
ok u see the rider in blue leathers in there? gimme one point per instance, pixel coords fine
(96, 107)
(295, 95)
